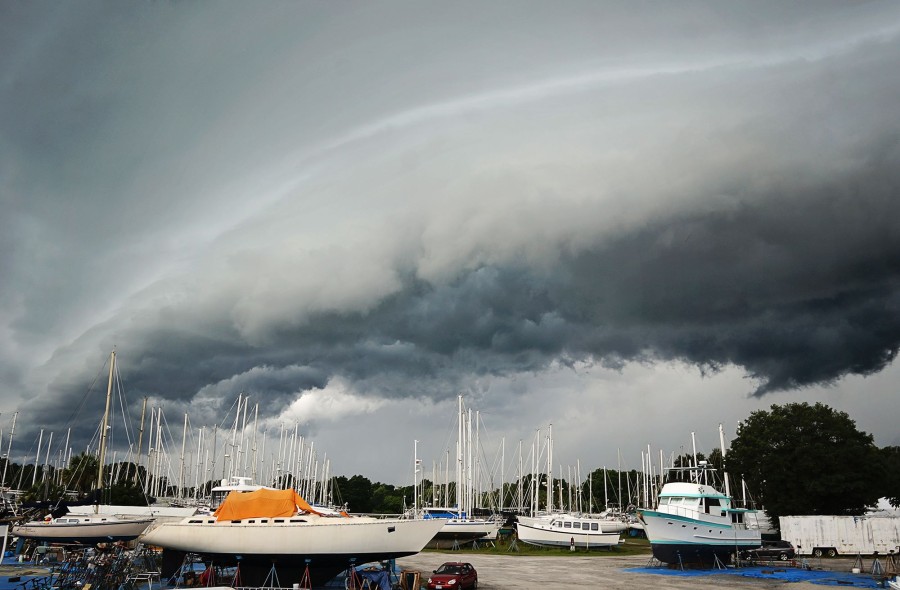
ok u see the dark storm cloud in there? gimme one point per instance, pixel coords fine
(410, 201)
(798, 290)
(796, 284)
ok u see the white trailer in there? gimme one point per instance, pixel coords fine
(846, 535)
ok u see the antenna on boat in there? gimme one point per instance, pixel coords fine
(694, 447)
(724, 473)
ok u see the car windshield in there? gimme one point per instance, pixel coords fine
(449, 569)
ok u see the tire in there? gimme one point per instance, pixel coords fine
(475, 585)
(783, 557)
(831, 552)
(817, 552)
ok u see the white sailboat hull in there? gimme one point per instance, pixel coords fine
(469, 529)
(84, 530)
(325, 545)
(309, 536)
(158, 513)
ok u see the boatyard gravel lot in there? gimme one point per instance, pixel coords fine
(507, 572)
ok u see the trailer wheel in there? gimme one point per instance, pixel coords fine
(817, 552)
(831, 552)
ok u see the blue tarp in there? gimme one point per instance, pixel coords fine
(380, 577)
(824, 578)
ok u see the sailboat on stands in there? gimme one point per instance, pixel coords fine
(461, 526)
(90, 528)
(267, 528)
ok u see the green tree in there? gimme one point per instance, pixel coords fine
(606, 489)
(356, 492)
(42, 491)
(127, 495)
(890, 472)
(81, 474)
(806, 459)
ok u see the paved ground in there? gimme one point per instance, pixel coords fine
(508, 572)
(26, 570)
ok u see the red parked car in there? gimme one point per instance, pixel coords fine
(453, 575)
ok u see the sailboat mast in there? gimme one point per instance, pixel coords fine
(459, 470)
(724, 473)
(140, 445)
(550, 469)
(181, 471)
(255, 432)
(105, 423)
(9, 448)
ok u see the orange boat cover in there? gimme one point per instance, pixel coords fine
(262, 503)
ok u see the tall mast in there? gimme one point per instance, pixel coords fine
(149, 470)
(469, 482)
(140, 442)
(520, 488)
(157, 462)
(242, 457)
(696, 464)
(37, 458)
(255, 432)
(416, 478)
(724, 473)
(550, 469)
(198, 469)
(9, 448)
(105, 424)
(459, 440)
(181, 471)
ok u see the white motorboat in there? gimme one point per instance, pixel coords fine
(277, 528)
(695, 523)
(83, 529)
(565, 530)
(605, 523)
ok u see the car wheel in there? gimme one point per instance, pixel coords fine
(817, 552)
(783, 557)
(832, 552)
(475, 584)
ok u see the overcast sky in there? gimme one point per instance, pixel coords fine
(630, 220)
